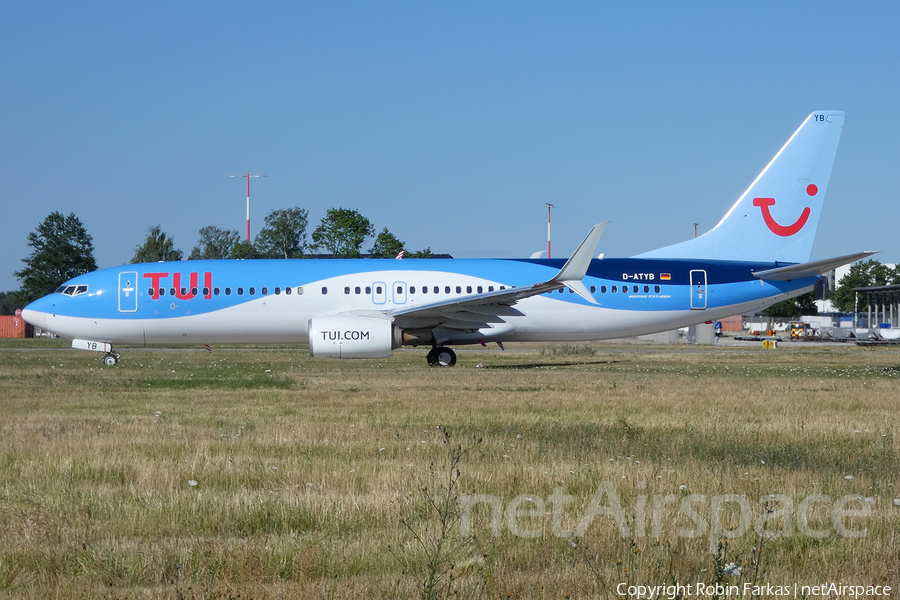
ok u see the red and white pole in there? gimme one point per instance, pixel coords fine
(549, 206)
(248, 207)
(248, 175)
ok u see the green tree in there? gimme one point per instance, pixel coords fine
(157, 247)
(426, 253)
(342, 232)
(9, 303)
(804, 304)
(215, 243)
(243, 249)
(867, 273)
(61, 250)
(284, 235)
(386, 245)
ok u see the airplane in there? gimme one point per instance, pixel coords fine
(351, 308)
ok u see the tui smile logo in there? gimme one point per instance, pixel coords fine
(773, 225)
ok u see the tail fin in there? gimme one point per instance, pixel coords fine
(776, 218)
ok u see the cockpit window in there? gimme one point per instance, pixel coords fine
(72, 290)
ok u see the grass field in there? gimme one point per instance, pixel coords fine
(261, 473)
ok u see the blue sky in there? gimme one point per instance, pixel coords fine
(451, 124)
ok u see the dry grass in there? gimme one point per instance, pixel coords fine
(305, 468)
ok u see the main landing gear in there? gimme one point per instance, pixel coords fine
(111, 359)
(440, 356)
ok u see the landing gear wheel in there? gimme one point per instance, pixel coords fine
(441, 357)
(111, 360)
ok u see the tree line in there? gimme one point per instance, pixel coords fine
(867, 273)
(61, 247)
(342, 233)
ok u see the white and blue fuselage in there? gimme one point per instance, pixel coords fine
(257, 301)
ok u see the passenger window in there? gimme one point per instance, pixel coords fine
(171, 291)
(253, 291)
(324, 290)
(240, 291)
(150, 292)
(424, 289)
(193, 291)
(468, 289)
(502, 287)
(593, 289)
(624, 289)
(287, 291)
(378, 289)
(412, 289)
(215, 291)
(446, 289)
(490, 288)
(437, 290)
(277, 291)
(357, 290)
(347, 290)
(265, 291)
(162, 291)
(656, 289)
(646, 289)
(459, 289)
(479, 289)
(615, 289)
(560, 290)
(300, 290)
(399, 289)
(602, 289)
(206, 291)
(228, 291)
(368, 290)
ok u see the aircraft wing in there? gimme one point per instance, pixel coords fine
(480, 310)
(810, 269)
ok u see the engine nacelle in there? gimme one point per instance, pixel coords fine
(352, 336)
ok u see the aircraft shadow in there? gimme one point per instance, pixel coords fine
(544, 365)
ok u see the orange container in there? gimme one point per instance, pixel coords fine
(13, 327)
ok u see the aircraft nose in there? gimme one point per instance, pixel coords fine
(34, 317)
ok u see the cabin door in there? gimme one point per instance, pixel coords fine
(698, 290)
(128, 291)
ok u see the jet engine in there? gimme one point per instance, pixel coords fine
(352, 336)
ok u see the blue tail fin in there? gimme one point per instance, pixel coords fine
(776, 218)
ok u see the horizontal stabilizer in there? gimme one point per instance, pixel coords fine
(811, 269)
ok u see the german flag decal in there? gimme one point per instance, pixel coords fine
(665, 276)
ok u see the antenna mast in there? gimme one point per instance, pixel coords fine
(248, 175)
(549, 206)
